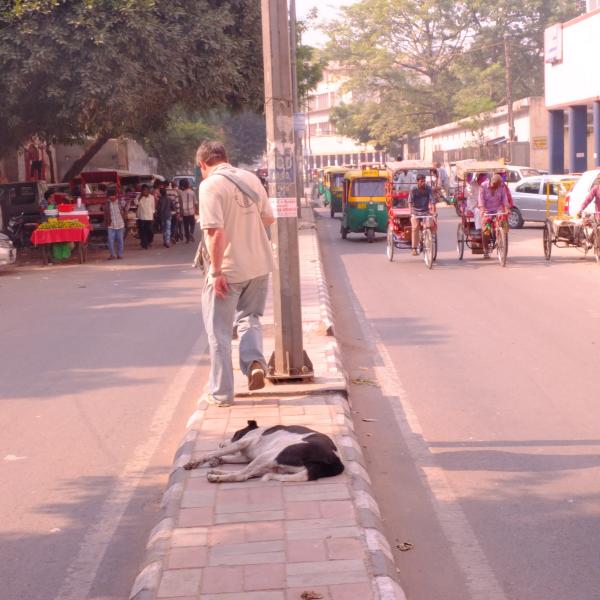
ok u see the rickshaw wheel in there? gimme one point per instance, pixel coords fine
(343, 232)
(460, 241)
(434, 243)
(597, 243)
(370, 234)
(502, 246)
(390, 245)
(548, 241)
(428, 248)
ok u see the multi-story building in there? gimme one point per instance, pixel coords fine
(572, 92)
(322, 145)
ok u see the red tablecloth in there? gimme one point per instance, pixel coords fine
(52, 236)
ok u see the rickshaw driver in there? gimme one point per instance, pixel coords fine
(420, 202)
(493, 199)
(593, 196)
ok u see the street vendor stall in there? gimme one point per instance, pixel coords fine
(61, 234)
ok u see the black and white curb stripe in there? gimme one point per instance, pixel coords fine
(381, 558)
(145, 586)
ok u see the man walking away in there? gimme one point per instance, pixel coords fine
(188, 210)
(115, 222)
(164, 214)
(145, 216)
(234, 215)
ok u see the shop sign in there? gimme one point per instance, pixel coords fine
(553, 44)
(540, 143)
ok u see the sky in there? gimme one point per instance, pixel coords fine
(327, 11)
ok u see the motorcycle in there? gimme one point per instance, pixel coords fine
(19, 230)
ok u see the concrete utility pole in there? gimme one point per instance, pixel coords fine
(509, 94)
(298, 158)
(289, 361)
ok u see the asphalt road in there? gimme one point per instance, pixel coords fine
(100, 366)
(475, 396)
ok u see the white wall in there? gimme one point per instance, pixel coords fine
(576, 80)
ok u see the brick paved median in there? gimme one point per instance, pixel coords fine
(273, 540)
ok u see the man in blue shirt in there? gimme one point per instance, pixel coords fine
(421, 202)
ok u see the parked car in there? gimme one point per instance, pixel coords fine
(581, 190)
(21, 198)
(515, 173)
(530, 195)
(8, 253)
(178, 178)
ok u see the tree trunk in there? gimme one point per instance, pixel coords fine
(83, 160)
(53, 175)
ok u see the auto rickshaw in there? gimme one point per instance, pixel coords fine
(333, 188)
(364, 207)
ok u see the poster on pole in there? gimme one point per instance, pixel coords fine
(284, 207)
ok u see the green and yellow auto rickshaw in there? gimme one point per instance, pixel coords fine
(333, 184)
(364, 202)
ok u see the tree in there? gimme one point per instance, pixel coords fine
(74, 70)
(414, 64)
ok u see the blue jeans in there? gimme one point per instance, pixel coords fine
(118, 235)
(246, 301)
(166, 230)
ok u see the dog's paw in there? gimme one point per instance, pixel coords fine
(213, 477)
(214, 462)
(192, 464)
(223, 444)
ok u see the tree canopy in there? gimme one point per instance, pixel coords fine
(75, 69)
(414, 64)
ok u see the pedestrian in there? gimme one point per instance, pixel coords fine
(115, 218)
(234, 215)
(145, 217)
(188, 210)
(176, 222)
(163, 208)
(443, 178)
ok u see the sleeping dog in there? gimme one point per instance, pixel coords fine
(282, 452)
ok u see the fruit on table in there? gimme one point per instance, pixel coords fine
(66, 224)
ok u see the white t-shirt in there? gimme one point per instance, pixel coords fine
(248, 252)
(145, 209)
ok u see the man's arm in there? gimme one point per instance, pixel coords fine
(215, 242)
(589, 198)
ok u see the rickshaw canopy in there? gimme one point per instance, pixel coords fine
(478, 166)
(409, 165)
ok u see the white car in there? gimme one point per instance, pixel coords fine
(8, 253)
(530, 196)
(514, 174)
(582, 188)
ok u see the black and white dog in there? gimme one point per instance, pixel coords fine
(282, 452)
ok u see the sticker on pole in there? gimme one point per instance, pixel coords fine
(284, 207)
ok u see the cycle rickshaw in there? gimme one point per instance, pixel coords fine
(399, 230)
(566, 231)
(492, 236)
